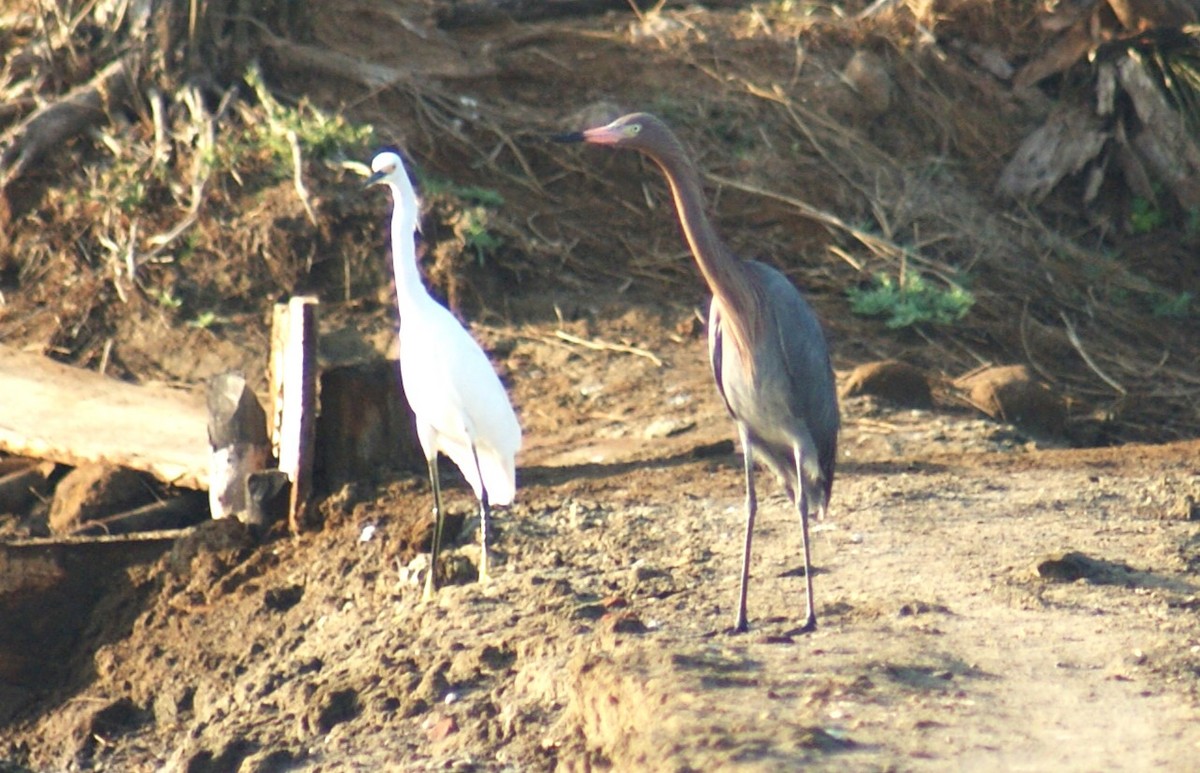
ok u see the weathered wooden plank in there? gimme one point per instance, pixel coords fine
(53, 411)
(295, 401)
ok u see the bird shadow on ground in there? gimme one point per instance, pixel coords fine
(720, 452)
(850, 467)
(940, 676)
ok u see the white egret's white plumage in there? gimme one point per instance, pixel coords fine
(460, 405)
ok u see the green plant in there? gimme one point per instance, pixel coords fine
(1173, 306)
(1192, 227)
(205, 320)
(1145, 216)
(475, 233)
(319, 134)
(120, 183)
(910, 301)
(167, 299)
(484, 196)
(472, 217)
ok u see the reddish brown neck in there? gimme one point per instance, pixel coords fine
(726, 278)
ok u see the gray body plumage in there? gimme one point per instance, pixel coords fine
(766, 347)
(791, 396)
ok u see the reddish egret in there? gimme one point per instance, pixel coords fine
(461, 408)
(767, 350)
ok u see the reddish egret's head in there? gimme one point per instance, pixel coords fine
(638, 131)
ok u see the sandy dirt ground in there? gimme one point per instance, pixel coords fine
(953, 632)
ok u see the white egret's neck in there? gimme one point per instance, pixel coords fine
(409, 287)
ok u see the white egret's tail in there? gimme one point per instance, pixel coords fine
(499, 471)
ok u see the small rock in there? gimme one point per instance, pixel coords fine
(1010, 393)
(434, 684)
(666, 427)
(271, 761)
(824, 740)
(284, 598)
(105, 724)
(588, 612)
(172, 703)
(891, 380)
(867, 74)
(1187, 508)
(441, 728)
(93, 491)
(1073, 565)
(624, 622)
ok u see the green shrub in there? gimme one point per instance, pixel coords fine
(911, 301)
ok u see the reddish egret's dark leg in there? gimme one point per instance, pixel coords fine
(438, 523)
(741, 626)
(485, 512)
(810, 615)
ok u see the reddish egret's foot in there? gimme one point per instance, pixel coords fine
(809, 626)
(741, 626)
(430, 588)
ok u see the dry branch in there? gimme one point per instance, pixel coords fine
(1164, 140)
(1070, 138)
(174, 513)
(605, 346)
(48, 128)
(479, 13)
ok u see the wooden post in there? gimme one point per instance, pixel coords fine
(275, 374)
(237, 433)
(294, 398)
(366, 428)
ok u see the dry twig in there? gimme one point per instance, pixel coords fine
(1087, 358)
(605, 346)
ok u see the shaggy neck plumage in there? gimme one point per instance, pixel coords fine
(724, 274)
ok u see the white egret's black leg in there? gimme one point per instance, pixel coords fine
(810, 614)
(485, 512)
(438, 525)
(741, 625)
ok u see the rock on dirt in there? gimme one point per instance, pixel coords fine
(93, 491)
(1011, 393)
(897, 382)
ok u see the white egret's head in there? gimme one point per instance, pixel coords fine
(388, 168)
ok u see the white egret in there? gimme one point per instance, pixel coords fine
(460, 405)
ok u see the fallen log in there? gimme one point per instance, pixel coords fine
(73, 416)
